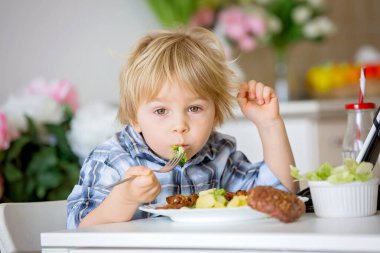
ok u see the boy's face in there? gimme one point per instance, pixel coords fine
(175, 117)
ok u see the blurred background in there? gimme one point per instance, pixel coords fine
(85, 42)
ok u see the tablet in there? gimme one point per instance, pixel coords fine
(371, 147)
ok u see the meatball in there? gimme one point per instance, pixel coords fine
(276, 203)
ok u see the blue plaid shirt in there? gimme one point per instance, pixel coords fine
(217, 165)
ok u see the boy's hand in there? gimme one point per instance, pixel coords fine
(124, 199)
(142, 189)
(258, 103)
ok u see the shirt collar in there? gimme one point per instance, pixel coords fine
(136, 145)
(207, 152)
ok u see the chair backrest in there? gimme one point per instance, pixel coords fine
(22, 223)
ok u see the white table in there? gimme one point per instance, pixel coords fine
(310, 233)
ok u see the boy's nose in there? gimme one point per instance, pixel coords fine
(180, 125)
(181, 129)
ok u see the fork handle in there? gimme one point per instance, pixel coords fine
(119, 182)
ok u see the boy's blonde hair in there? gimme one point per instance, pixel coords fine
(192, 58)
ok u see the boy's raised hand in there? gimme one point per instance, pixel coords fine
(258, 102)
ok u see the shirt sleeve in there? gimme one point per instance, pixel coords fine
(85, 196)
(106, 164)
(266, 177)
(240, 173)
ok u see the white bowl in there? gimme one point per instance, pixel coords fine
(354, 199)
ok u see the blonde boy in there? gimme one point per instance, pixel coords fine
(175, 90)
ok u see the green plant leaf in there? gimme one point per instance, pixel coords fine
(64, 149)
(71, 170)
(42, 161)
(12, 173)
(40, 191)
(2, 157)
(61, 192)
(68, 116)
(30, 186)
(16, 147)
(32, 129)
(172, 13)
(49, 179)
(14, 192)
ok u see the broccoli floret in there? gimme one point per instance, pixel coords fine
(178, 151)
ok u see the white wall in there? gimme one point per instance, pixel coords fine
(77, 40)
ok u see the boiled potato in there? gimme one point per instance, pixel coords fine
(205, 201)
(219, 205)
(238, 201)
(214, 198)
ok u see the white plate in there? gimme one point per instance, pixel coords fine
(206, 214)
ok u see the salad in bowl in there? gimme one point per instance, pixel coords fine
(348, 190)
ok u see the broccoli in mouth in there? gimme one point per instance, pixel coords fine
(178, 151)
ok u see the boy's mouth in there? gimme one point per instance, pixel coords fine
(185, 146)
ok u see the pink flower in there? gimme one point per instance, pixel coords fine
(4, 138)
(204, 17)
(61, 91)
(242, 27)
(247, 44)
(64, 93)
(38, 87)
(232, 20)
(231, 15)
(256, 25)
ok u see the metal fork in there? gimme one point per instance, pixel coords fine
(166, 168)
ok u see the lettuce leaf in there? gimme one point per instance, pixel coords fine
(350, 171)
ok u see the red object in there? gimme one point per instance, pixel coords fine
(361, 98)
(372, 71)
(360, 106)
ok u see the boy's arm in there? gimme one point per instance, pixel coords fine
(259, 104)
(277, 152)
(109, 211)
(124, 199)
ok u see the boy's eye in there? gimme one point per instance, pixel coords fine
(160, 111)
(194, 109)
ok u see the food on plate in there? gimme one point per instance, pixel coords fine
(285, 206)
(212, 198)
(237, 201)
(350, 171)
(178, 201)
(229, 195)
(220, 198)
(178, 151)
